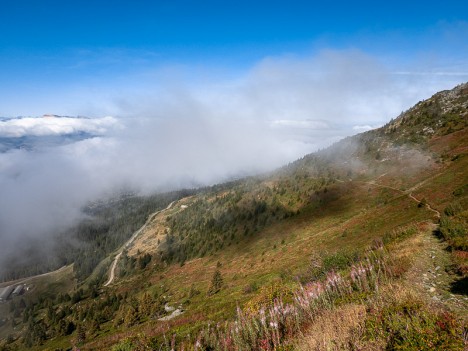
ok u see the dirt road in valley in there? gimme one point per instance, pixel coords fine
(129, 242)
(28, 279)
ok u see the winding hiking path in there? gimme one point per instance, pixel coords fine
(130, 241)
(428, 206)
(431, 270)
(403, 192)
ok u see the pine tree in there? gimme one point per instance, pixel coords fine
(193, 291)
(131, 317)
(35, 334)
(216, 283)
(146, 305)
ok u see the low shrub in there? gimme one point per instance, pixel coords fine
(399, 234)
(409, 324)
(267, 296)
(322, 264)
(454, 231)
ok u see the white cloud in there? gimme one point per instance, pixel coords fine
(54, 125)
(309, 124)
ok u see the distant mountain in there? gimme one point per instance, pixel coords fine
(33, 142)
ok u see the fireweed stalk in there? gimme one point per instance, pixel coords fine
(267, 329)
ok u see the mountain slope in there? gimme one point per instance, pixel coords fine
(258, 244)
(347, 196)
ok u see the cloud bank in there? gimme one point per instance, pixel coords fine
(54, 125)
(185, 131)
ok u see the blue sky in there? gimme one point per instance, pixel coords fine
(58, 52)
(194, 26)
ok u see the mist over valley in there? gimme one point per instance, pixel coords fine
(233, 176)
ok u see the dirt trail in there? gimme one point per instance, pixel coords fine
(431, 273)
(428, 206)
(130, 241)
(431, 270)
(407, 192)
(27, 279)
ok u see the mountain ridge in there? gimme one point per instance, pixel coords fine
(292, 230)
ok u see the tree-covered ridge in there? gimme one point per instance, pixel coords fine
(106, 227)
(219, 219)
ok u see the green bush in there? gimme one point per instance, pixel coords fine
(125, 345)
(409, 325)
(399, 234)
(454, 231)
(453, 209)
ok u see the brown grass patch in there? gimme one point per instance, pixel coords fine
(336, 330)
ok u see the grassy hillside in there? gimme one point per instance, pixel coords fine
(363, 245)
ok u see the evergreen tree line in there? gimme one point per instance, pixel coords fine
(217, 220)
(106, 228)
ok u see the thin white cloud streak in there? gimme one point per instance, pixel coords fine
(199, 132)
(52, 125)
(460, 74)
